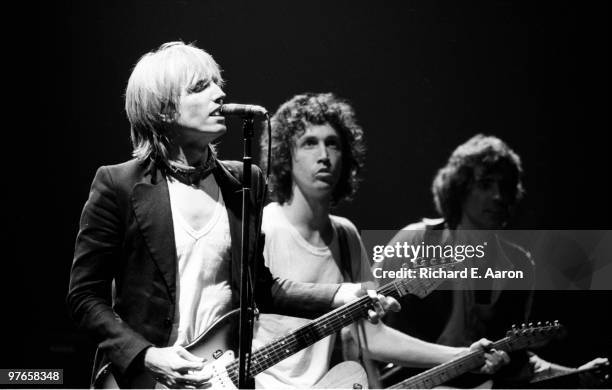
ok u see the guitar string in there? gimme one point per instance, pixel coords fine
(333, 320)
(288, 344)
(278, 348)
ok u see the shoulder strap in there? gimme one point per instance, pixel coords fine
(345, 253)
(349, 275)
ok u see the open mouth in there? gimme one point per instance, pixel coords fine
(216, 111)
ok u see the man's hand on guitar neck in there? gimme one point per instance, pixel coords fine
(176, 367)
(494, 359)
(349, 292)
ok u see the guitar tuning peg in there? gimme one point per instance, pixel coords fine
(539, 323)
(556, 322)
(531, 324)
(523, 325)
(547, 323)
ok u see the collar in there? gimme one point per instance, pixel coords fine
(192, 175)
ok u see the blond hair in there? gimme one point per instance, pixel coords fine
(154, 90)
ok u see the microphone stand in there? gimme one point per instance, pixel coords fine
(245, 335)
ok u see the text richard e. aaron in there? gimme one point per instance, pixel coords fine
(422, 255)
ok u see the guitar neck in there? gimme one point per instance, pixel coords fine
(328, 324)
(453, 368)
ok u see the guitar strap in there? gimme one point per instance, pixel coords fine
(345, 254)
(347, 273)
(346, 266)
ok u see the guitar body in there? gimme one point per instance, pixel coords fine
(216, 345)
(346, 375)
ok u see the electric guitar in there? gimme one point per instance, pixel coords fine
(216, 344)
(516, 339)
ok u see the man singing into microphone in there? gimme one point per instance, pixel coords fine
(157, 253)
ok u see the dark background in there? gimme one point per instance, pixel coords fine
(423, 77)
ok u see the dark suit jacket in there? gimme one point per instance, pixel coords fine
(123, 278)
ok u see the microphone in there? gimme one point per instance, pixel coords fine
(243, 110)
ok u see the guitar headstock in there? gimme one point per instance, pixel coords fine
(530, 336)
(422, 283)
